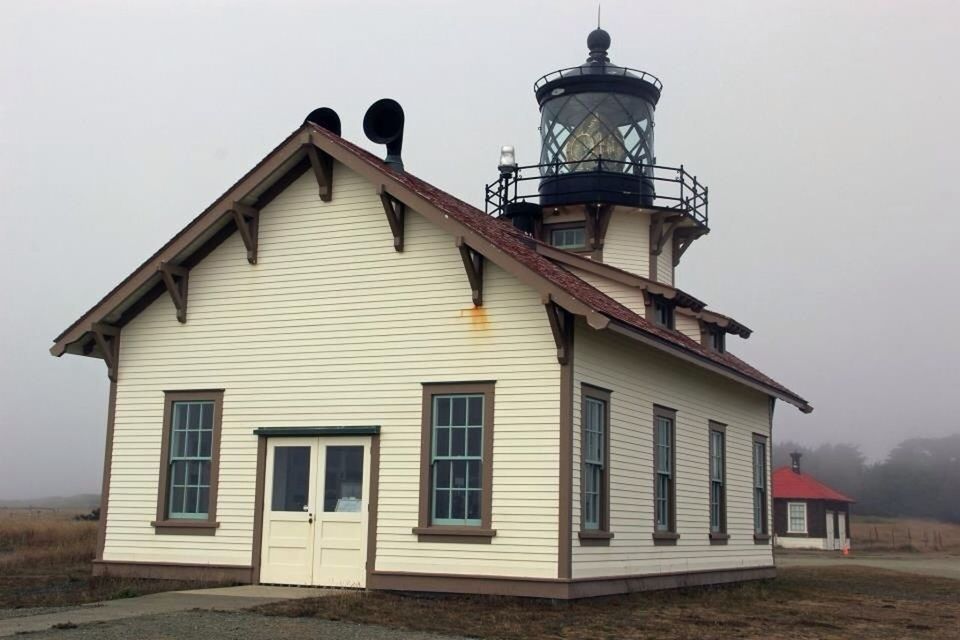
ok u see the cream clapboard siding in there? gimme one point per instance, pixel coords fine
(665, 263)
(333, 327)
(627, 243)
(639, 377)
(688, 326)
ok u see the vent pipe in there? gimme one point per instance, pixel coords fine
(325, 118)
(795, 461)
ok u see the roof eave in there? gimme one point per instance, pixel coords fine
(708, 364)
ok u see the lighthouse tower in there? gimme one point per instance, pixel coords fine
(597, 188)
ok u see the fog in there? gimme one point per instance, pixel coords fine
(827, 133)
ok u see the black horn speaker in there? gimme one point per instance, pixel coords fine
(325, 118)
(383, 124)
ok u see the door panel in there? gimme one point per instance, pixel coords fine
(315, 511)
(288, 540)
(341, 527)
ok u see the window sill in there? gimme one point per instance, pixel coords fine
(185, 527)
(719, 538)
(761, 538)
(595, 538)
(473, 535)
(665, 537)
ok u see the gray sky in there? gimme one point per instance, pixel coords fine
(827, 132)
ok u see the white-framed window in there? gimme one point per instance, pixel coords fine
(796, 517)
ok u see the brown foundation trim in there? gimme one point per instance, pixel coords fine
(559, 589)
(173, 571)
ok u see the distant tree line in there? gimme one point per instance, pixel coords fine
(919, 479)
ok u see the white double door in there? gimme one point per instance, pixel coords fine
(315, 512)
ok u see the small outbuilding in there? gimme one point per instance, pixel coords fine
(808, 514)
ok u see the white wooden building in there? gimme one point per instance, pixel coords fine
(338, 374)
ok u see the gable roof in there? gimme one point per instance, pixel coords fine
(789, 484)
(496, 240)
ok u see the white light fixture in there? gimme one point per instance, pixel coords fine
(508, 160)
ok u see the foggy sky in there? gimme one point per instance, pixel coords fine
(827, 133)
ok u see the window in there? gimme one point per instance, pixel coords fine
(343, 481)
(456, 465)
(291, 479)
(796, 517)
(594, 463)
(718, 471)
(190, 451)
(661, 312)
(760, 487)
(715, 338)
(568, 237)
(664, 459)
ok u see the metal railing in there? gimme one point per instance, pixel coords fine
(607, 70)
(656, 186)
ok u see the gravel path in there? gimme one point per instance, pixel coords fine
(216, 625)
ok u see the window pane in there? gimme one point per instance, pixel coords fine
(458, 440)
(343, 481)
(443, 441)
(176, 500)
(291, 478)
(206, 415)
(206, 444)
(442, 412)
(475, 441)
(475, 414)
(442, 474)
(441, 503)
(473, 505)
(458, 504)
(473, 474)
(203, 500)
(459, 418)
(179, 415)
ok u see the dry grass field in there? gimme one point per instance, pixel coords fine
(45, 557)
(902, 534)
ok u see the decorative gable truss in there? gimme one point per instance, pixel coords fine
(473, 263)
(175, 279)
(395, 212)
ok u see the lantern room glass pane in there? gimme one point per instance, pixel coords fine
(596, 131)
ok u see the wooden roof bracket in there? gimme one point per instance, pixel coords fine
(175, 279)
(247, 219)
(597, 218)
(396, 212)
(659, 233)
(473, 263)
(107, 338)
(682, 240)
(561, 324)
(322, 164)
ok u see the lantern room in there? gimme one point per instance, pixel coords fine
(596, 131)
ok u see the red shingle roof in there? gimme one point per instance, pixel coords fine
(523, 247)
(789, 484)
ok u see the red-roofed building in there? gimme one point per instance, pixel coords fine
(808, 514)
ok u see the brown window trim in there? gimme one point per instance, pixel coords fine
(163, 524)
(425, 531)
(718, 537)
(603, 535)
(762, 537)
(670, 536)
(650, 308)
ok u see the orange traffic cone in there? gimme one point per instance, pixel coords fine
(846, 550)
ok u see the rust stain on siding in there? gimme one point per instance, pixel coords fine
(477, 316)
